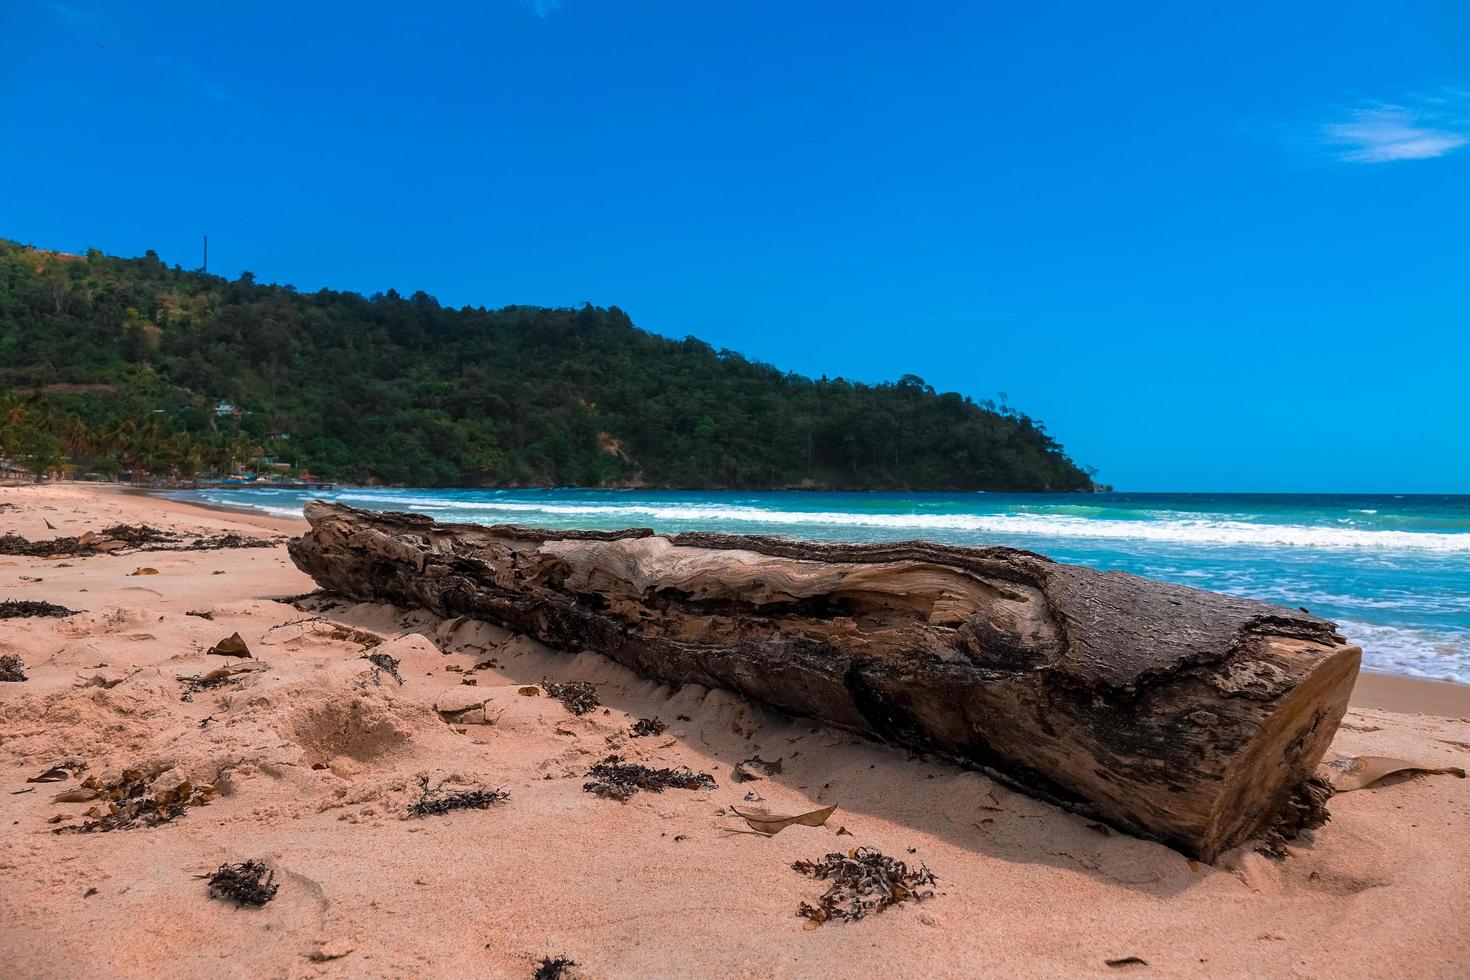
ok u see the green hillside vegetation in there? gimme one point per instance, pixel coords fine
(111, 364)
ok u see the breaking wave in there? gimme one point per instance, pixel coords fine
(1182, 531)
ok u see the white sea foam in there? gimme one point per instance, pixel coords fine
(1438, 654)
(1438, 647)
(275, 511)
(1000, 526)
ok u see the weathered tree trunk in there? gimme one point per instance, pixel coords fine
(1185, 716)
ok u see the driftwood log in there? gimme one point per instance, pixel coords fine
(1180, 715)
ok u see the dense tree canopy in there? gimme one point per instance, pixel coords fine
(109, 363)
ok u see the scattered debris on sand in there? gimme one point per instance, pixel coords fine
(1305, 809)
(382, 663)
(323, 628)
(648, 726)
(247, 883)
(201, 613)
(231, 646)
(125, 537)
(864, 881)
(615, 779)
(552, 968)
(131, 802)
(432, 802)
(578, 697)
(59, 773)
(228, 676)
(12, 668)
(756, 768)
(115, 538)
(218, 542)
(769, 824)
(29, 608)
(1361, 771)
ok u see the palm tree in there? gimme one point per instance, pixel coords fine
(76, 437)
(12, 415)
(120, 439)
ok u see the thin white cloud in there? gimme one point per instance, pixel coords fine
(544, 8)
(1385, 132)
(83, 17)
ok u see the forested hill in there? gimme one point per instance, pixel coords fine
(109, 363)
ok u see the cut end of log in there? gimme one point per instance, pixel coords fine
(1292, 740)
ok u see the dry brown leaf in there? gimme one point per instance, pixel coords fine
(769, 824)
(54, 775)
(145, 570)
(75, 796)
(1358, 772)
(530, 691)
(230, 646)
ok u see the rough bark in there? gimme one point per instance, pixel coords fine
(1185, 716)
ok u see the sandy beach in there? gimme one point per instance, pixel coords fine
(314, 759)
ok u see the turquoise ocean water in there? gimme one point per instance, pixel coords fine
(1393, 570)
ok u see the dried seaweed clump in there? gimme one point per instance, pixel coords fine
(218, 542)
(115, 538)
(552, 968)
(382, 663)
(1305, 809)
(138, 537)
(27, 608)
(648, 726)
(432, 802)
(863, 881)
(578, 697)
(130, 802)
(614, 779)
(247, 883)
(135, 535)
(12, 668)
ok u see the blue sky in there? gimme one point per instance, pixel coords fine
(1213, 247)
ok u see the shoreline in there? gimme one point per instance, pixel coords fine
(293, 525)
(1399, 693)
(313, 764)
(1411, 695)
